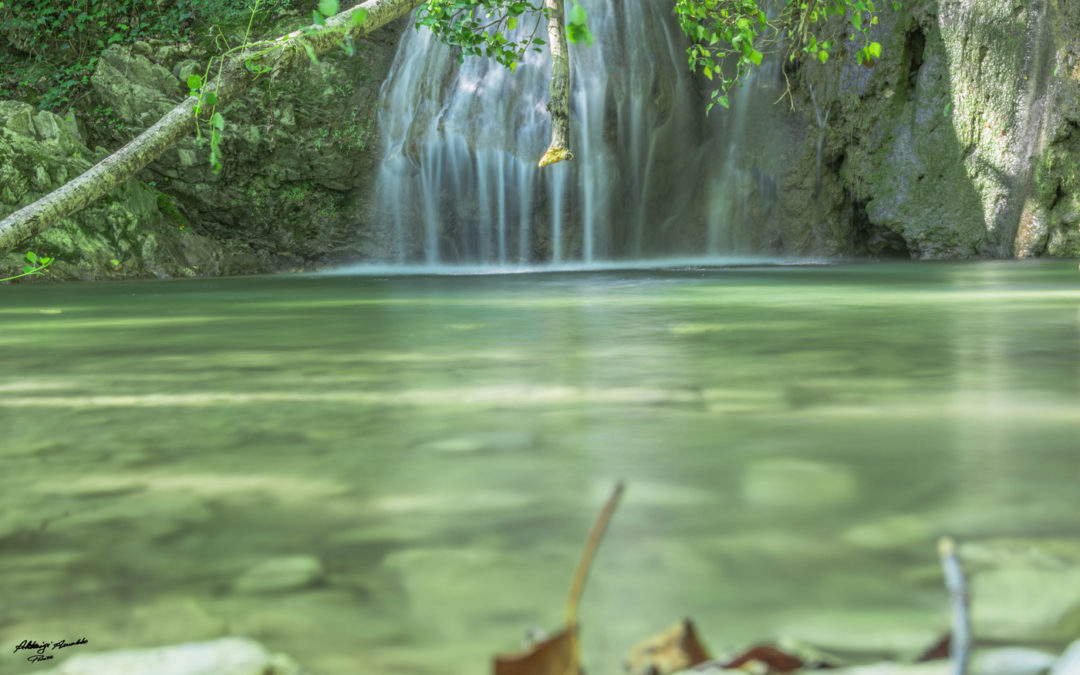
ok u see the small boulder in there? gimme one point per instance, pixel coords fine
(227, 656)
(277, 575)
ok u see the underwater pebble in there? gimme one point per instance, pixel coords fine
(280, 574)
(798, 483)
(1069, 663)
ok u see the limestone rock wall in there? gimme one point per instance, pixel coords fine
(39, 152)
(298, 162)
(962, 141)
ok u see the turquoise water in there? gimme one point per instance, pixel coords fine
(794, 439)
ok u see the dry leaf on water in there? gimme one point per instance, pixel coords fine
(670, 651)
(777, 661)
(556, 655)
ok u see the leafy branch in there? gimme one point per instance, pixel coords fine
(731, 36)
(37, 265)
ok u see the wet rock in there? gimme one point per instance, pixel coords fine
(278, 575)
(1069, 663)
(1012, 661)
(796, 483)
(1026, 603)
(892, 532)
(174, 619)
(227, 656)
(39, 152)
(860, 635)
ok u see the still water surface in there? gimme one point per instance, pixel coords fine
(794, 439)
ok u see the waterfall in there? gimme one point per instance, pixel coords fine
(459, 183)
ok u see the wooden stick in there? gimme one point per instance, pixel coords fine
(960, 644)
(591, 545)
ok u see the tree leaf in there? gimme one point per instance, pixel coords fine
(194, 81)
(577, 14)
(31, 256)
(358, 17)
(218, 121)
(328, 7)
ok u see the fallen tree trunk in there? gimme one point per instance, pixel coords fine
(233, 78)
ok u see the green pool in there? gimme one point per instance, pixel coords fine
(794, 439)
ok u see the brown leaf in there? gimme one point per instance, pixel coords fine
(776, 660)
(670, 651)
(938, 650)
(556, 655)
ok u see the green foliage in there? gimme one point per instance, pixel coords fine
(731, 36)
(576, 29)
(37, 265)
(54, 45)
(484, 27)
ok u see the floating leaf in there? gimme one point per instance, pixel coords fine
(776, 660)
(936, 651)
(556, 655)
(670, 651)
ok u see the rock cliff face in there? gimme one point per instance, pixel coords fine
(39, 152)
(298, 167)
(962, 141)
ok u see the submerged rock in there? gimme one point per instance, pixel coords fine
(1069, 663)
(281, 574)
(227, 656)
(798, 483)
(1026, 603)
(1012, 661)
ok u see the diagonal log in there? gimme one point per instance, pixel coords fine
(278, 56)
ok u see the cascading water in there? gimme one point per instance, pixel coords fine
(459, 181)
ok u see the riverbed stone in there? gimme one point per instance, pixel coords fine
(898, 531)
(226, 656)
(1026, 603)
(1069, 663)
(1012, 661)
(277, 575)
(798, 483)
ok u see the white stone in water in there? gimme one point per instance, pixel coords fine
(1069, 663)
(280, 574)
(1012, 661)
(1026, 604)
(227, 656)
(798, 483)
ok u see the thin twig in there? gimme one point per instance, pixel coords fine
(960, 644)
(587, 555)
